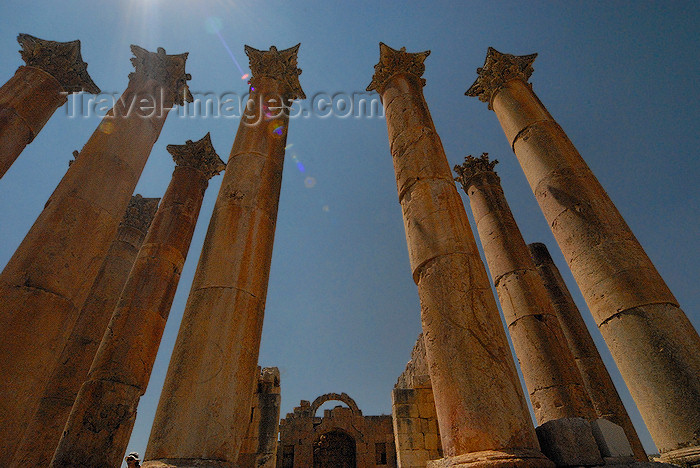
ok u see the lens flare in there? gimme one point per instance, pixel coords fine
(276, 129)
(309, 182)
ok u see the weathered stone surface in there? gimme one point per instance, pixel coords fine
(479, 402)
(128, 349)
(259, 448)
(599, 384)
(551, 375)
(611, 439)
(203, 413)
(33, 94)
(569, 442)
(654, 344)
(307, 440)
(44, 431)
(47, 280)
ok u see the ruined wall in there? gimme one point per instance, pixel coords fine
(259, 448)
(301, 434)
(416, 433)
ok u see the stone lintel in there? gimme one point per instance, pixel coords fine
(392, 62)
(471, 167)
(140, 212)
(168, 70)
(62, 60)
(498, 69)
(199, 155)
(278, 65)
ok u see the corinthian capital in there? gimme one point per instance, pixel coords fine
(140, 212)
(473, 167)
(199, 155)
(62, 60)
(278, 65)
(393, 61)
(168, 70)
(498, 69)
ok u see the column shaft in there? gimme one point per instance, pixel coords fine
(27, 101)
(551, 375)
(652, 341)
(480, 404)
(600, 387)
(47, 280)
(45, 428)
(204, 409)
(100, 423)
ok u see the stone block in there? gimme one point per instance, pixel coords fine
(403, 396)
(569, 442)
(611, 439)
(406, 411)
(431, 441)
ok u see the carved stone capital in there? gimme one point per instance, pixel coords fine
(168, 70)
(199, 155)
(498, 69)
(278, 65)
(62, 60)
(393, 61)
(473, 167)
(140, 212)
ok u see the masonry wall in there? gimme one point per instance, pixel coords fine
(301, 430)
(416, 433)
(259, 448)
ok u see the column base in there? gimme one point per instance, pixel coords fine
(187, 463)
(506, 458)
(569, 442)
(686, 457)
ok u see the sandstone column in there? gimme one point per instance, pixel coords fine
(32, 95)
(552, 378)
(204, 408)
(596, 378)
(47, 280)
(654, 344)
(556, 388)
(480, 404)
(100, 423)
(45, 428)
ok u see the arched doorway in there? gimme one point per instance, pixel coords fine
(334, 449)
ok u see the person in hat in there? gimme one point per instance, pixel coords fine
(132, 460)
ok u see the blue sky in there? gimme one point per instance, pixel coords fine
(342, 310)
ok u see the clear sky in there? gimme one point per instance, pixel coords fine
(342, 310)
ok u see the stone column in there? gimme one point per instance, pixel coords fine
(45, 428)
(556, 388)
(32, 95)
(600, 387)
(480, 404)
(654, 344)
(47, 280)
(100, 423)
(204, 408)
(551, 375)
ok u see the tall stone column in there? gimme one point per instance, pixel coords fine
(600, 387)
(480, 404)
(32, 95)
(551, 375)
(556, 388)
(204, 408)
(654, 344)
(45, 428)
(100, 423)
(47, 280)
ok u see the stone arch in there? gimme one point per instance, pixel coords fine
(344, 397)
